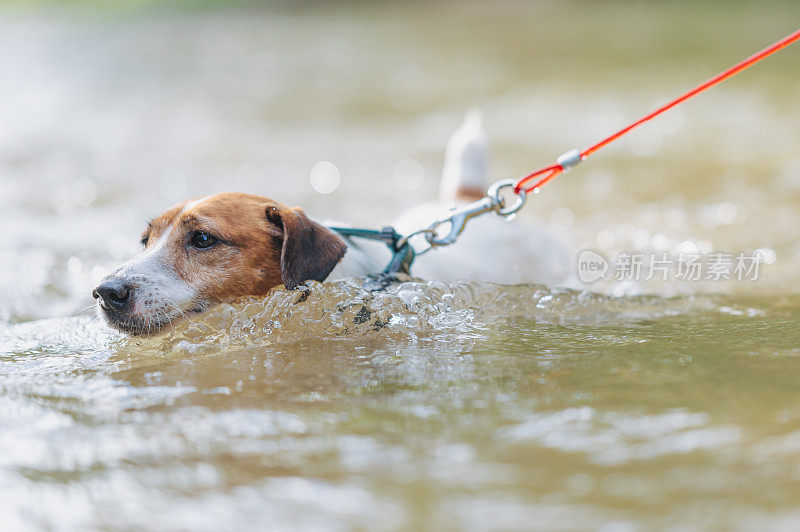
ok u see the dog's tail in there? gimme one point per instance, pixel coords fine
(465, 175)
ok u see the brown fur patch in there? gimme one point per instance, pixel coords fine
(246, 260)
(310, 251)
(469, 194)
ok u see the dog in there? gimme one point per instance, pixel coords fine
(218, 248)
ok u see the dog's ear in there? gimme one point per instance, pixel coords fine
(309, 250)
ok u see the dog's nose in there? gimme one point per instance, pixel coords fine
(114, 294)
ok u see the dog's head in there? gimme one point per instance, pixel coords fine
(211, 250)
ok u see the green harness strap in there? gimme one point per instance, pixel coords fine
(402, 255)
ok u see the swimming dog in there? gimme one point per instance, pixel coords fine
(218, 248)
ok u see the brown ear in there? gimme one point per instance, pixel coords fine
(309, 250)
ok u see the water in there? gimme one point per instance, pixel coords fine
(472, 406)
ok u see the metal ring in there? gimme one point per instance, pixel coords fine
(403, 241)
(494, 193)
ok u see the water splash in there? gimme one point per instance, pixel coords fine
(411, 311)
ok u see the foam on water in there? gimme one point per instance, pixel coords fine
(409, 311)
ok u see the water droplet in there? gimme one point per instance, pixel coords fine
(767, 255)
(325, 177)
(173, 185)
(726, 212)
(118, 246)
(84, 191)
(74, 265)
(605, 239)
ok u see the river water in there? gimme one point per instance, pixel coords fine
(626, 404)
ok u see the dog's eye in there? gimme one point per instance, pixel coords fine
(202, 240)
(144, 240)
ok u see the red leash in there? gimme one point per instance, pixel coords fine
(573, 157)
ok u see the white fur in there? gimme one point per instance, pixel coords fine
(466, 159)
(363, 257)
(192, 204)
(491, 249)
(160, 295)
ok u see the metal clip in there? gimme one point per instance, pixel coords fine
(458, 218)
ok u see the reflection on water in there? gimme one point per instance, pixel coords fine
(431, 405)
